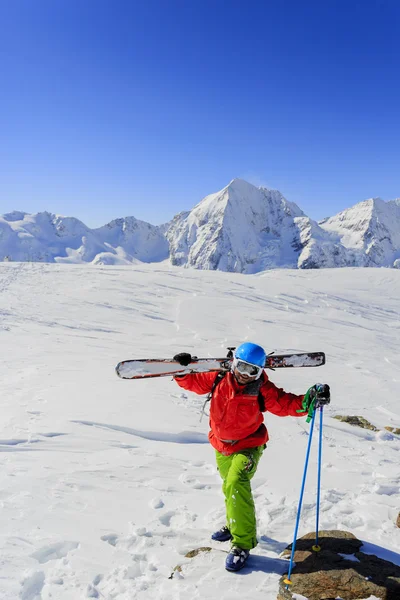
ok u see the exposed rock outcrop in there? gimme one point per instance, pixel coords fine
(339, 570)
(356, 420)
(395, 430)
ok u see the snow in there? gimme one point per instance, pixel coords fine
(371, 229)
(106, 483)
(249, 229)
(240, 229)
(45, 237)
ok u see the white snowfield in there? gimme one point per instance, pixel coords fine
(106, 484)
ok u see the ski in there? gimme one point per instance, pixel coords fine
(144, 368)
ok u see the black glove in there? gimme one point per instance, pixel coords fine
(316, 396)
(183, 358)
(320, 394)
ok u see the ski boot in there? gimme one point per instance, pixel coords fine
(222, 535)
(236, 558)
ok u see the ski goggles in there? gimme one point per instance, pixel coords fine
(245, 368)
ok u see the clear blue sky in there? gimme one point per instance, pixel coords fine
(111, 108)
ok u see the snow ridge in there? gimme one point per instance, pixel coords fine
(242, 228)
(45, 237)
(371, 229)
(247, 229)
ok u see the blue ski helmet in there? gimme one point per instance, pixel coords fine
(251, 353)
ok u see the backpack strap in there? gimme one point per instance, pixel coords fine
(219, 377)
(261, 402)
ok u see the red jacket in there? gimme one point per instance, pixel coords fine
(236, 421)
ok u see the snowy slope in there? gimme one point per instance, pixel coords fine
(319, 248)
(247, 229)
(139, 239)
(371, 229)
(39, 237)
(106, 484)
(45, 237)
(242, 228)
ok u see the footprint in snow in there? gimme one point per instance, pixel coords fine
(385, 489)
(32, 586)
(333, 496)
(207, 467)
(196, 463)
(110, 538)
(192, 482)
(165, 519)
(178, 518)
(54, 551)
(156, 503)
(91, 591)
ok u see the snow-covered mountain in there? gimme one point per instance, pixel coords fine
(370, 231)
(135, 238)
(47, 237)
(247, 229)
(242, 228)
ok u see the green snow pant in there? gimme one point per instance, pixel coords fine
(236, 471)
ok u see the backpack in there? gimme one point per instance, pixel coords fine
(253, 386)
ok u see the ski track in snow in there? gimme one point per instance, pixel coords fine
(107, 484)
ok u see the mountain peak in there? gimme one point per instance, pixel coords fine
(240, 228)
(240, 185)
(371, 229)
(15, 215)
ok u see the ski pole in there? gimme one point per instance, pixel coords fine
(287, 580)
(317, 548)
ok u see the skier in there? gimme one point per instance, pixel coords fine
(239, 436)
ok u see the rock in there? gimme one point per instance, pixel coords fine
(195, 552)
(398, 520)
(354, 420)
(327, 574)
(395, 430)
